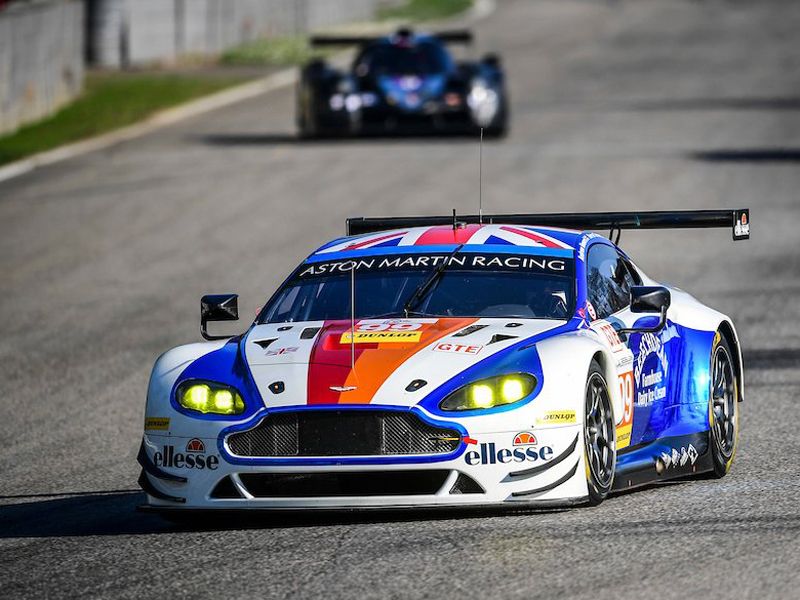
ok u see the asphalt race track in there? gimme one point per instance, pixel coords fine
(641, 104)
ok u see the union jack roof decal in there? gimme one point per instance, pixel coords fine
(485, 235)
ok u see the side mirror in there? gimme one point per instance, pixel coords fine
(649, 299)
(492, 60)
(218, 307)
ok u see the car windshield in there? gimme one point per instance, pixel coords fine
(425, 58)
(472, 285)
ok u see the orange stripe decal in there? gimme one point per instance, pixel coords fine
(381, 347)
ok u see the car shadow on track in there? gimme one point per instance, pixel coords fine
(114, 513)
(277, 139)
(749, 155)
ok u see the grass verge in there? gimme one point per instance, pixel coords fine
(425, 10)
(109, 101)
(278, 51)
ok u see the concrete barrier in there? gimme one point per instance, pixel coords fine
(138, 32)
(41, 59)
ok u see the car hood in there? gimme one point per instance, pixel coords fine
(314, 363)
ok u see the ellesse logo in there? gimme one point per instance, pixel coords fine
(193, 458)
(525, 438)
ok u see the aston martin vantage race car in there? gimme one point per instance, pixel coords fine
(402, 83)
(419, 362)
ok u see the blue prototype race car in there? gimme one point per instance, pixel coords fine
(403, 83)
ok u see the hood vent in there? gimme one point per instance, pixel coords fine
(501, 337)
(309, 333)
(415, 385)
(468, 330)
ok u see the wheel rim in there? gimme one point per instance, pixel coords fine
(599, 431)
(723, 402)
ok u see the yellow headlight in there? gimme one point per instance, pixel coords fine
(482, 395)
(210, 398)
(491, 392)
(512, 389)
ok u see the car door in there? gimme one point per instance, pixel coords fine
(610, 277)
(650, 384)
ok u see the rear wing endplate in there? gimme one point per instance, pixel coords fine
(737, 219)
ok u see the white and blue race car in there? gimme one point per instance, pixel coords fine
(419, 362)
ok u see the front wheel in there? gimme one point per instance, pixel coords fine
(723, 411)
(599, 435)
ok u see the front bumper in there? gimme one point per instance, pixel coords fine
(491, 470)
(382, 117)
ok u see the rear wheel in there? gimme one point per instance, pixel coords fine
(723, 412)
(599, 435)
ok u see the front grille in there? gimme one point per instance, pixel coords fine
(343, 433)
(322, 485)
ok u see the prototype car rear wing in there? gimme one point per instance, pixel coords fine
(738, 219)
(456, 36)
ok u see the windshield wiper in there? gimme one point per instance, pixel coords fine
(426, 285)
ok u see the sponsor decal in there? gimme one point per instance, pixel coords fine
(492, 262)
(156, 423)
(552, 417)
(194, 457)
(742, 228)
(524, 438)
(680, 457)
(590, 309)
(651, 367)
(279, 351)
(393, 331)
(196, 445)
(625, 426)
(457, 348)
(381, 337)
(610, 335)
(490, 454)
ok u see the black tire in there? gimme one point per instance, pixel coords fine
(599, 436)
(723, 406)
(306, 119)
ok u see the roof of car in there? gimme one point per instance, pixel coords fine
(497, 235)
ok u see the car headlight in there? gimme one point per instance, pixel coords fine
(345, 86)
(490, 392)
(206, 397)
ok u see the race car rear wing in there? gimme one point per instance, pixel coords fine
(457, 36)
(738, 219)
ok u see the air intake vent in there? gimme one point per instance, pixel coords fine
(359, 483)
(501, 337)
(225, 489)
(468, 330)
(466, 485)
(343, 433)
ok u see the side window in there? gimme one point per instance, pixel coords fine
(609, 280)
